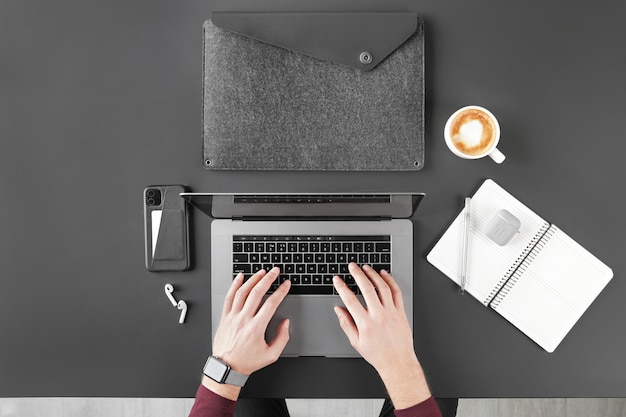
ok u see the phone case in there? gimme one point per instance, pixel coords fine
(166, 228)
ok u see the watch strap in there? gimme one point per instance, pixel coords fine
(235, 378)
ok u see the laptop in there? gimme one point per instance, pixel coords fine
(311, 238)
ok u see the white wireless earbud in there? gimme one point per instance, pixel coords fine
(182, 305)
(169, 289)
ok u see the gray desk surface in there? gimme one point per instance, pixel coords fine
(99, 99)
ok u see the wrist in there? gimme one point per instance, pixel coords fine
(406, 367)
(230, 392)
(406, 385)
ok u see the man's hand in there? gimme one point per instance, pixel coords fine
(240, 337)
(381, 333)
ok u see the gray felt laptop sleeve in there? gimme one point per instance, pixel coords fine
(313, 91)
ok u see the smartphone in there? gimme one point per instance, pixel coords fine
(166, 228)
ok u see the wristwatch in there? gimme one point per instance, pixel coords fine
(220, 372)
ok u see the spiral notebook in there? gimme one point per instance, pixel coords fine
(542, 281)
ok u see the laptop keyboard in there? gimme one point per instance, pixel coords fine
(310, 262)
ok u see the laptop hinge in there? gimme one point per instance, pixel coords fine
(320, 218)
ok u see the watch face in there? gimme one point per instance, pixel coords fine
(216, 370)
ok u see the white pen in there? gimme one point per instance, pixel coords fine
(466, 234)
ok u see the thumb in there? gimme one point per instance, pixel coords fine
(277, 345)
(347, 325)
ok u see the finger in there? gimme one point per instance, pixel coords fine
(269, 307)
(278, 343)
(352, 304)
(347, 325)
(258, 292)
(396, 292)
(230, 295)
(365, 285)
(382, 288)
(242, 293)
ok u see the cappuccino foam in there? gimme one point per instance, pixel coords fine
(473, 132)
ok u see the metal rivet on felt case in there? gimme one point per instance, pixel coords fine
(208, 162)
(365, 58)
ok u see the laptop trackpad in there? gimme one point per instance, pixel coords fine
(314, 328)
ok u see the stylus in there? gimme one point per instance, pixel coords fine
(466, 234)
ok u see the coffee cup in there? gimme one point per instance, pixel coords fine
(473, 132)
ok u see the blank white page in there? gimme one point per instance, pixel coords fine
(555, 288)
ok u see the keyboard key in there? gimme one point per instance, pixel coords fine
(295, 279)
(245, 268)
(383, 247)
(240, 258)
(379, 267)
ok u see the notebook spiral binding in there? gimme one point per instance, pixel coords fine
(519, 266)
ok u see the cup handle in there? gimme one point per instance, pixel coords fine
(497, 156)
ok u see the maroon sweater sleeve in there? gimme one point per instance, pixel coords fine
(209, 404)
(428, 408)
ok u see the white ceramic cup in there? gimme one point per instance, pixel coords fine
(473, 132)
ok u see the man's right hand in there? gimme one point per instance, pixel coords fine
(381, 333)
